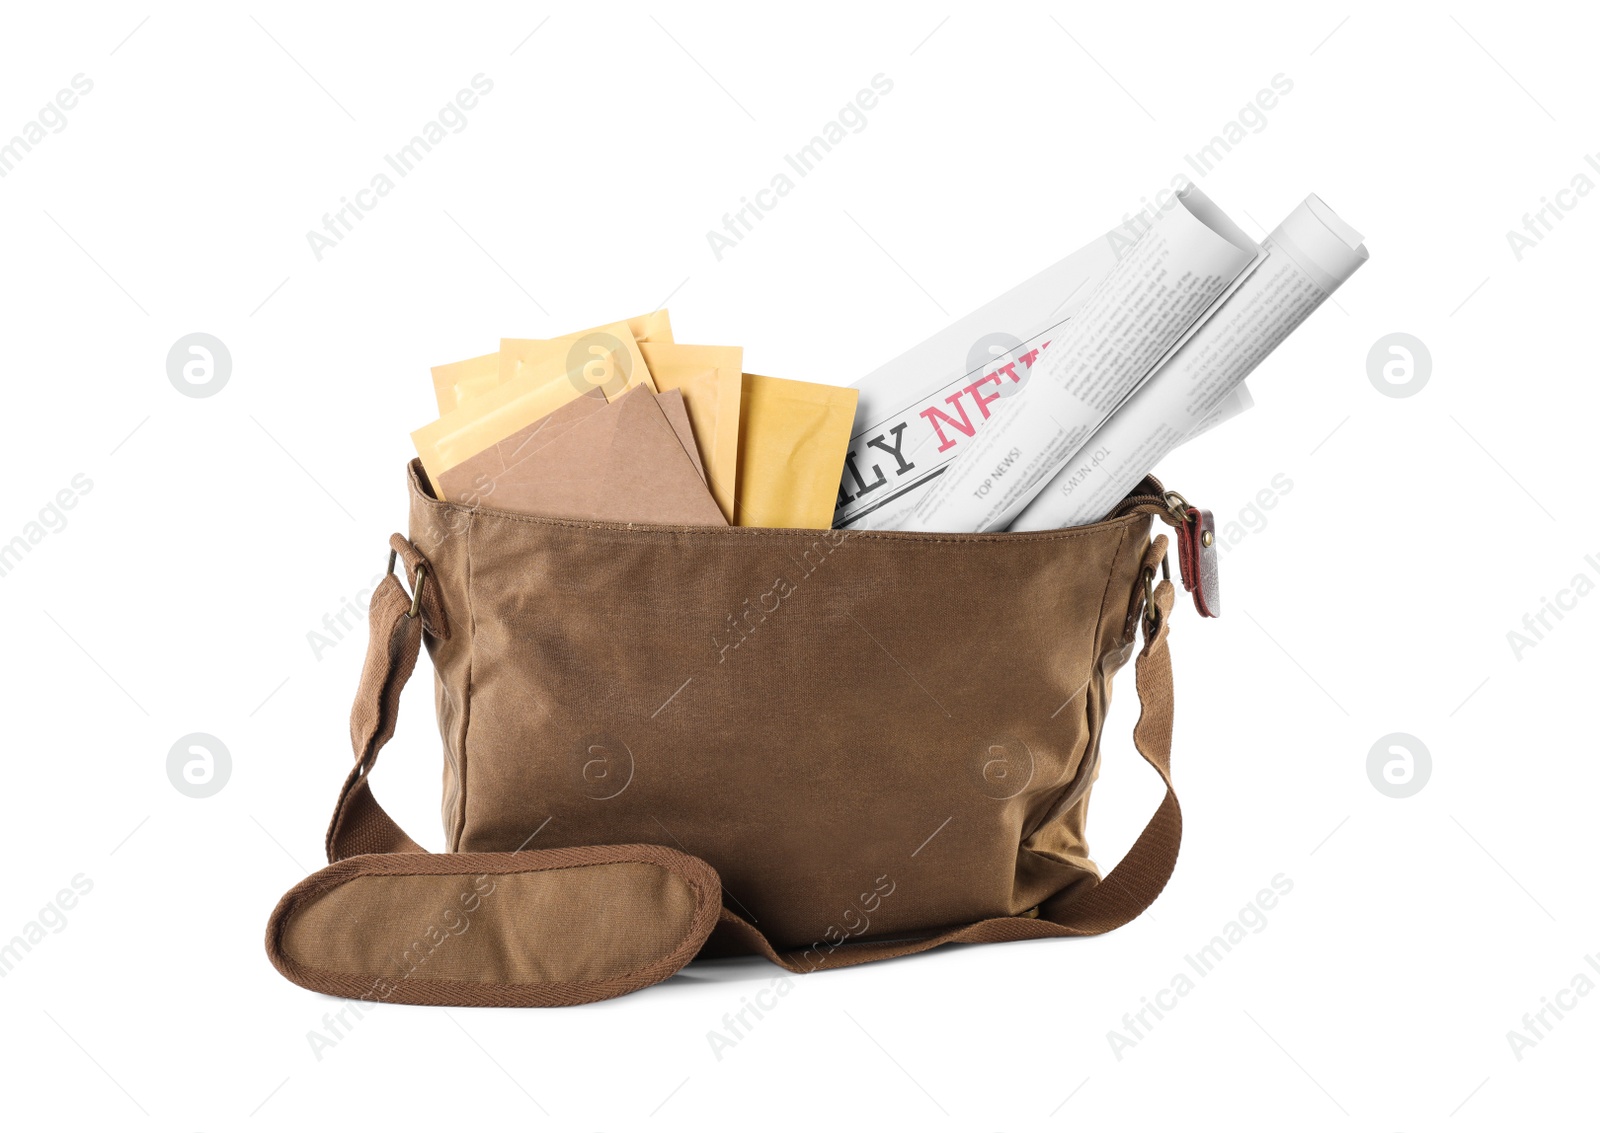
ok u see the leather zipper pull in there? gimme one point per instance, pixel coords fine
(1197, 554)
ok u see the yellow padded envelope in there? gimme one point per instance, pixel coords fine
(793, 437)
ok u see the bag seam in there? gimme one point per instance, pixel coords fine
(1101, 683)
(1091, 752)
(973, 539)
(466, 698)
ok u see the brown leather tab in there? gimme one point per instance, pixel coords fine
(536, 928)
(1197, 561)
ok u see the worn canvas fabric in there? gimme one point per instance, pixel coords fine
(876, 741)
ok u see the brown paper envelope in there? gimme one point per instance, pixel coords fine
(547, 429)
(672, 404)
(464, 481)
(486, 420)
(474, 478)
(620, 461)
(648, 479)
(709, 377)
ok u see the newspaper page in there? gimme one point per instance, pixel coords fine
(1308, 256)
(1232, 405)
(918, 411)
(1184, 267)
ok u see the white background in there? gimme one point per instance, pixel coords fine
(1374, 597)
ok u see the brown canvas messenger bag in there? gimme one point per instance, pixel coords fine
(825, 747)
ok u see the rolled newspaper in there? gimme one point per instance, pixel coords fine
(1308, 256)
(1233, 405)
(919, 411)
(1178, 274)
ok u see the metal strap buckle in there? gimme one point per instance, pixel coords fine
(1150, 589)
(416, 583)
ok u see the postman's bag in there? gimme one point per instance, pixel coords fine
(660, 742)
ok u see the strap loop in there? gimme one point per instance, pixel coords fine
(416, 583)
(424, 597)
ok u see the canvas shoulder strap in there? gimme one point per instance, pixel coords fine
(388, 922)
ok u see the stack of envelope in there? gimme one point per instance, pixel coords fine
(620, 423)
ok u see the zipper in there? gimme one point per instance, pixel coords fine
(1150, 498)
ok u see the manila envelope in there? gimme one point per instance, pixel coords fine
(654, 327)
(605, 358)
(710, 379)
(619, 461)
(615, 366)
(456, 382)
